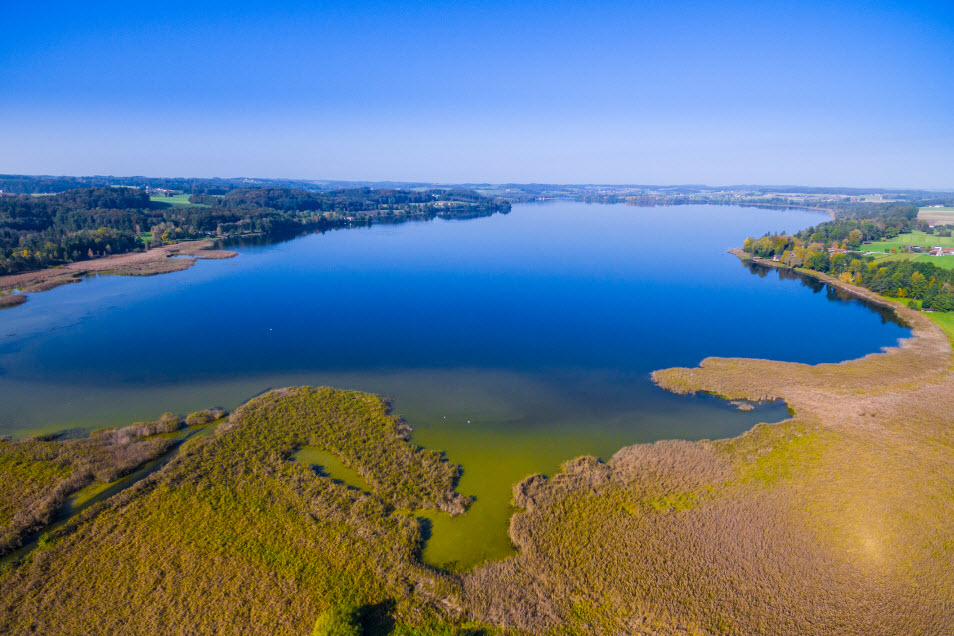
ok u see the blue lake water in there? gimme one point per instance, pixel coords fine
(512, 342)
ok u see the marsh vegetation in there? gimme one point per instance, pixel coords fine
(232, 533)
(39, 474)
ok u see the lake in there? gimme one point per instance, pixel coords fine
(513, 342)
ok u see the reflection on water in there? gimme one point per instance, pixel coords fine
(834, 294)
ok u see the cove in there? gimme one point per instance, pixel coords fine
(513, 342)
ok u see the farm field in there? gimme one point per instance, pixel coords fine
(177, 200)
(911, 238)
(937, 216)
(947, 262)
(880, 249)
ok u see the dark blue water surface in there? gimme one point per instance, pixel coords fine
(559, 293)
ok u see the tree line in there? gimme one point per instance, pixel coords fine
(82, 223)
(931, 286)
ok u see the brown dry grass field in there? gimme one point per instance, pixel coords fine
(149, 263)
(937, 216)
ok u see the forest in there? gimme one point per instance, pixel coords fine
(38, 232)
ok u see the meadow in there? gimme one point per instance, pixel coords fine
(916, 237)
(926, 241)
(945, 262)
(176, 201)
(44, 475)
(945, 320)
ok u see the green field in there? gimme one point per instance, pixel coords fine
(914, 238)
(911, 238)
(947, 262)
(945, 319)
(176, 200)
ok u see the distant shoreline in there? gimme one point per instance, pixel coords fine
(158, 260)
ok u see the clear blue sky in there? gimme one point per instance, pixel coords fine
(815, 93)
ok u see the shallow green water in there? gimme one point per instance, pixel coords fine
(503, 427)
(328, 464)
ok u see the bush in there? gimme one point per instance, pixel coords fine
(204, 417)
(167, 423)
(338, 621)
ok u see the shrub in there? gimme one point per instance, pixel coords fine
(338, 621)
(204, 417)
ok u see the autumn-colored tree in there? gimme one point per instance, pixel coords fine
(855, 237)
(919, 285)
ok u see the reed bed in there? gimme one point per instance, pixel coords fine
(233, 537)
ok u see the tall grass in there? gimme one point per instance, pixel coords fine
(232, 537)
(38, 475)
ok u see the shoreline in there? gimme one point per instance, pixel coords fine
(844, 494)
(154, 261)
(927, 351)
(909, 317)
